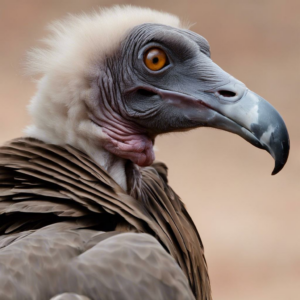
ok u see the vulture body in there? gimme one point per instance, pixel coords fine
(85, 212)
(59, 207)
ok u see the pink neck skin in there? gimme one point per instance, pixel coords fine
(125, 139)
(134, 146)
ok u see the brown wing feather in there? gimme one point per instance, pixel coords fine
(169, 212)
(42, 184)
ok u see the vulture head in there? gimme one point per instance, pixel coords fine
(114, 80)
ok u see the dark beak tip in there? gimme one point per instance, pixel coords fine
(278, 167)
(281, 162)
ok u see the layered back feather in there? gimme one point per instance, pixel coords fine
(42, 184)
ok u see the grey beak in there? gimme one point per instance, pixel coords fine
(247, 114)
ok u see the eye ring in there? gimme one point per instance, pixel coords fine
(155, 59)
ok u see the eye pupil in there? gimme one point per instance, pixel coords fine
(155, 59)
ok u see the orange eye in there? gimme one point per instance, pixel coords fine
(155, 59)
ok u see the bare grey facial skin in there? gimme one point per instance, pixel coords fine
(134, 104)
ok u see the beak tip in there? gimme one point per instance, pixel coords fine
(278, 167)
(279, 164)
(282, 155)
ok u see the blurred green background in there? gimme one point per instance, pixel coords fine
(249, 220)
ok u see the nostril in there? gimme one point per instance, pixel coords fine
(227, 94)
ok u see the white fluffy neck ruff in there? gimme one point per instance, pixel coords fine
(75, 50)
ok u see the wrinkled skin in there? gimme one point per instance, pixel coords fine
(134, 104)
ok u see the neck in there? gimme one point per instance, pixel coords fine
(56, 122)
(114, 165)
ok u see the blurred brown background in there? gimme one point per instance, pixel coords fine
(249, 220)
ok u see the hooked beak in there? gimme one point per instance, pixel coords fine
(245, 113)
(234, 108)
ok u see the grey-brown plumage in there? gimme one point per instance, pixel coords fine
(67, 227)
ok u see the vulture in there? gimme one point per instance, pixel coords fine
(85, 210)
